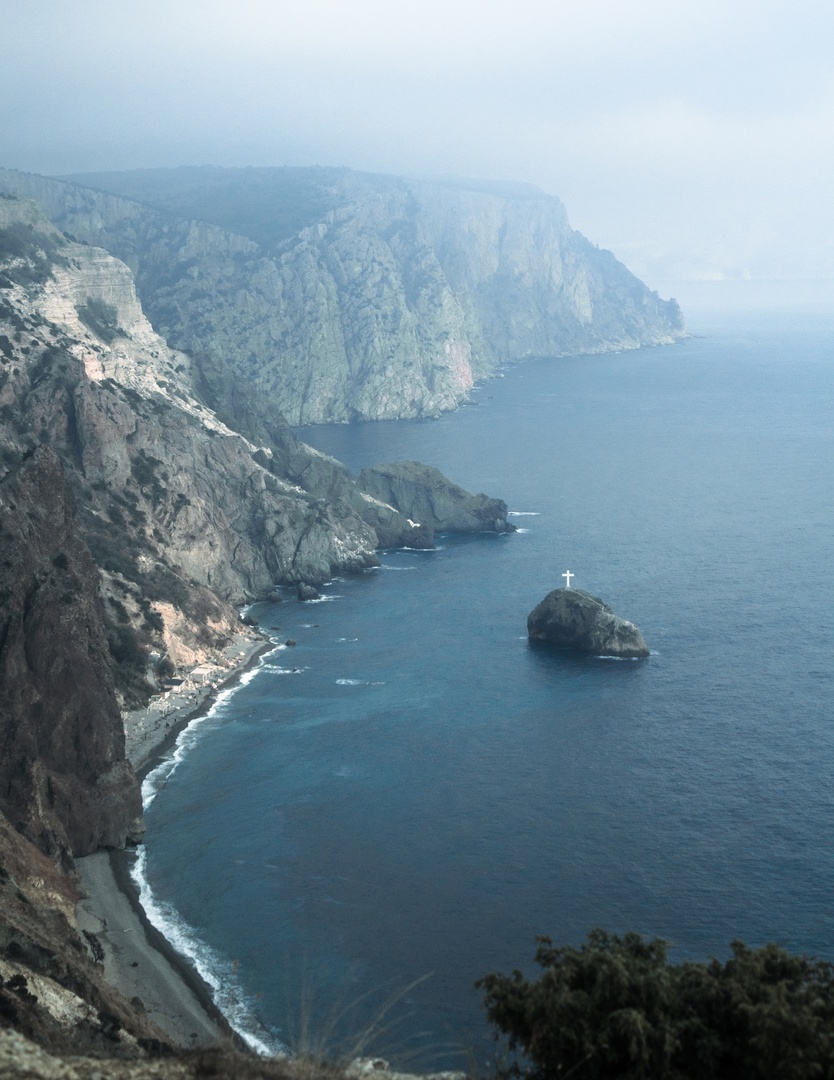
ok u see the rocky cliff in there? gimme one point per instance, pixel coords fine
(65, 786)
(183, 515)
(329, 295)
(424, 495)
(64, 781)
(130, 517)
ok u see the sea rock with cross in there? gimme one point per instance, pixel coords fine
(574, 619)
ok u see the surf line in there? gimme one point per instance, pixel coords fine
(217, 973)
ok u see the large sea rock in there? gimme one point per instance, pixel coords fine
(574, 619)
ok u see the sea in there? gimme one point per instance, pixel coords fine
(407, 797)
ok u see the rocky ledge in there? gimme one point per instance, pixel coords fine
(424, 495)
(574, 619)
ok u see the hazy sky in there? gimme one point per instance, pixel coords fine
(694, 138)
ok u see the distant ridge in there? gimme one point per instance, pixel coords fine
(327, 295)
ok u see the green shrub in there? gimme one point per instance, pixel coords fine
(130, 660)
(616, 1008)
(109, 550)
(28, 255)
(143, 466)
(102, 318)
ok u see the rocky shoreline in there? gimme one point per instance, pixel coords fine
(138, 960)
(150, 732)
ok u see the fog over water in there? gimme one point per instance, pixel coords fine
(694, 139)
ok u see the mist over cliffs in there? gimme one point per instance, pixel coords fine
(330, 295)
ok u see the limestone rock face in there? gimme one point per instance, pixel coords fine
(349, 296)
(184, 516)
(423, 494)
(64, 780)
(574, 619)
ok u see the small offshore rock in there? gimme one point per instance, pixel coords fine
(307, 592)
(290, 642)
(574, 619)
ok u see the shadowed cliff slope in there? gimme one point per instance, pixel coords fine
(64, 781)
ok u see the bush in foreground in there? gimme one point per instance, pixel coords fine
(616, 1008)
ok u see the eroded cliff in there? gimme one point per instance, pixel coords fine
(184, 516)
(350, 296)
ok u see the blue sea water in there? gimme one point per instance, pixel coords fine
(413, 791)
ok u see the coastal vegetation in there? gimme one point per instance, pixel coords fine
(102, 318)
(616, 1008)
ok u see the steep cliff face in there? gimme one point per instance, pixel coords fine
(183, 515)
(391, 298)
(64, 781)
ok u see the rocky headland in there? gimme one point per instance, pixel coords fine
(425, 496)
(329, 295)
(574, 619)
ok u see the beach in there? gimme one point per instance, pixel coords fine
(137, 959)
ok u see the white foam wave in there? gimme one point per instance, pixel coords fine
(157, 778)
(351, 682)
(624, 659)
(524, 513)
(216, 971)
(347, 638)
(520, 532)
(323, 599)
(388, 566)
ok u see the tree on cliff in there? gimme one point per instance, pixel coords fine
(616, 1008)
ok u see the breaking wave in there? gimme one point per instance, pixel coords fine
(216, 971)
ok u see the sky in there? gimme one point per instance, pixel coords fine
(694, 138)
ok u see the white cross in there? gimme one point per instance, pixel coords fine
(567, 576)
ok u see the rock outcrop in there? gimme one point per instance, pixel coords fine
(64, 780)
(423, 494)
(329, 295)
(574, 619)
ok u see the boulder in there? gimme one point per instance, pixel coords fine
(574, 619)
